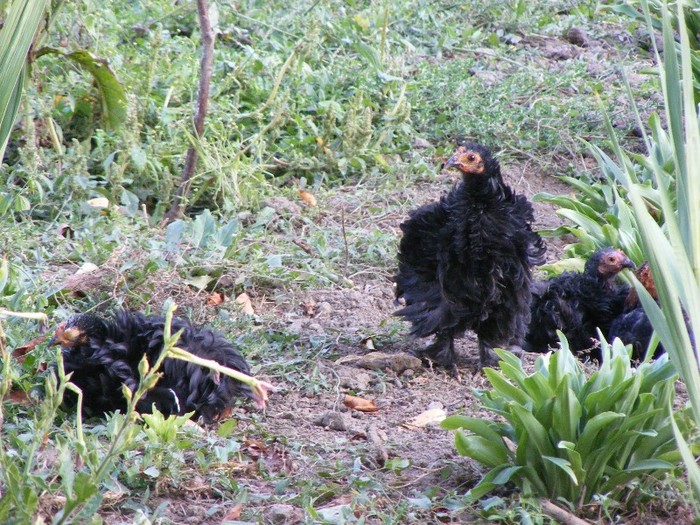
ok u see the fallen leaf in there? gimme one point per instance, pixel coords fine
(368, 343)
(310, 307)
(20, 352)
(18, 396)
(358, 403)
(215, 299)
(303, 245)
(64, 230)
(307, 197)
(233, 514)
(200, 281)
(431, 417)
(246, 306)
(255, 444)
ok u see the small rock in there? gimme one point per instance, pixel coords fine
(335, 514)
(377, 438)
(352, 379)
(421, 143)
(398, 363)
(296, 326)
(285, 514)
(578, 37)
(316, 328)
(333, 421)
(488, 78)
(435, 404)
(559, 51)
(323, 309)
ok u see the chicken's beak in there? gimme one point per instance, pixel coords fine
(451, 163)
(629, 264)
(57, 335)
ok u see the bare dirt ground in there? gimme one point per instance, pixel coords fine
(338, 434)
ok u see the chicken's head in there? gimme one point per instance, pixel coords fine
(472, 159)
(77, 330)
(608, 262)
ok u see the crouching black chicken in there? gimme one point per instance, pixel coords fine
(578, 303)
(464, 262)
(632, 326)
(104, 354)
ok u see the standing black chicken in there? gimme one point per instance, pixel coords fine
(578, 303)
(464, 262)
(103, 354)
(633, 327)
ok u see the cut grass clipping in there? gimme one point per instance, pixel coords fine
(562, 436)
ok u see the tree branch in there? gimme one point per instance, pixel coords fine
(207, 35)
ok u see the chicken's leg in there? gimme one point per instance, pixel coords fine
(487, 357)
(441, 351)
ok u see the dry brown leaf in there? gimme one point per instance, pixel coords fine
(244, 302)
(215, 299)
(307, 198)
(361, 404)
(255, 444)
(20, 352)
(233, 514)
(19, 397)
(310, 308)
(303, 245)
(431, 417)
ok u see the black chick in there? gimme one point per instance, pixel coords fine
(633, 327)
(104, 354)
(464, 262)
(578, 303)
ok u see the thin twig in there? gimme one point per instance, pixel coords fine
(563, 516)
(207, 35)
(345, 241)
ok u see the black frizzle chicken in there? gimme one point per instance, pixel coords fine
(578, 303)
(633, 327)
(103, 354)
(464, 262)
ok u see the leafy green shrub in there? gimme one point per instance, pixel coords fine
(566, 437)
(649, 203)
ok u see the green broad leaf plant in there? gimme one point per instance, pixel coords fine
(561, 435)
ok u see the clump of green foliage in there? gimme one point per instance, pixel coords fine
(571, 438)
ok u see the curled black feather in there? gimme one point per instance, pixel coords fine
(115, 346)
(464, 264)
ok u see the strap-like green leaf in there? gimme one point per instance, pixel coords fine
(16, 37)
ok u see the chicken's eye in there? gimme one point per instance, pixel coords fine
(471, 157)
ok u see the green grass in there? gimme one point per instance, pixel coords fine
(328, 96)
